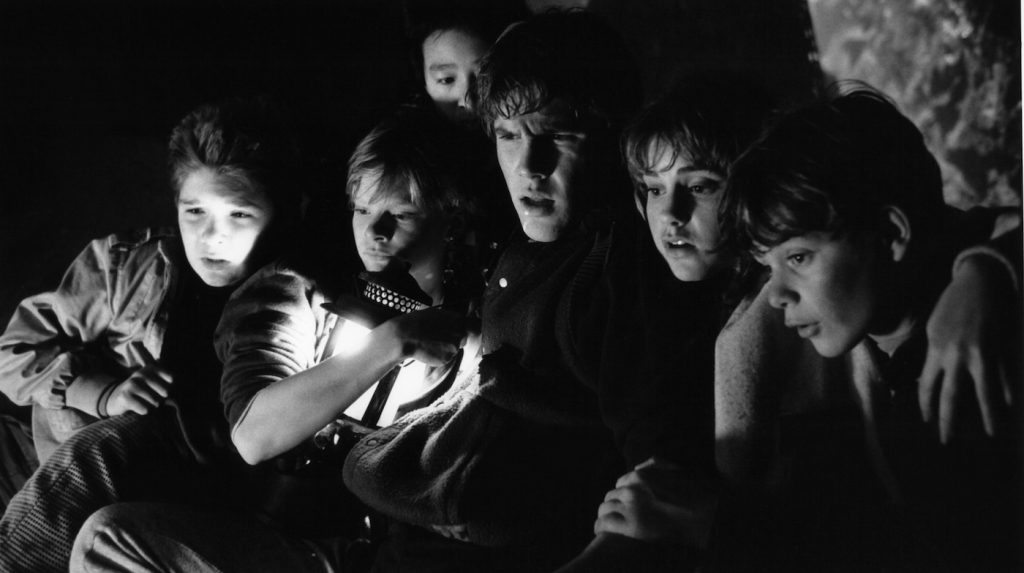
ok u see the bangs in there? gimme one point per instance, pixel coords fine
(679, 134)
(644, 154)
(761, 212)
(510, 98)
(392, 181)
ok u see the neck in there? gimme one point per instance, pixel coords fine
(890, 341)
(430, 278)
(908, 298)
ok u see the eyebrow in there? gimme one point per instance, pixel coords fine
(441, 67)
(243, 202)
(236, 201)
(691, 169)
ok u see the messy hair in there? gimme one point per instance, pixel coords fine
(571, 56)
(247, 143)
(830, 167)
(413, 153)
(708, 119)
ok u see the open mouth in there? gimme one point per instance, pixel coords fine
(215, 263)
(536, 206)
(806, 330)
(679, 246)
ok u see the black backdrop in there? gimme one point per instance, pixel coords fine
(89, 92)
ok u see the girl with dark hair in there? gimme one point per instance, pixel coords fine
(447, 40)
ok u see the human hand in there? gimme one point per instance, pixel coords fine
(968, 332)
(142, 392)
(432, 336)
(659, 502)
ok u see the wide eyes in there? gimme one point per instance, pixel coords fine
(799, 258)
(700, 189)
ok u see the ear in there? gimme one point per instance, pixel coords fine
(896, 232)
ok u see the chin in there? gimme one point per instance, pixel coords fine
(830, 348)
(543, 232)
(688, 273)
(219, 280)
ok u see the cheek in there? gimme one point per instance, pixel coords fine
(506, 161)
(407, 238)
(440, 94)
(188, 232)
(245, 238)
(706, 219)
(654, 224)
(847, 296)
(569, 165)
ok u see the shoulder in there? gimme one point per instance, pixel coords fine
(277, 286)
(124, 255)
(753, 321)
(276, 303)
(754, 340)
(146, 243)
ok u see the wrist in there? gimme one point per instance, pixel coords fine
(387, 336)
(84, 392)
(104, 400)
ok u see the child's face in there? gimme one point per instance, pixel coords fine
(682, 212)
(450, 62)
(391, 227)
(543, 158)
(220, 226)
(825, 286)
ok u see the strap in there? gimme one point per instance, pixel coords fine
(380, 397)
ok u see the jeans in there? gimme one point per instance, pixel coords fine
(125, 458)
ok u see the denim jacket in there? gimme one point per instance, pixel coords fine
(105, 319)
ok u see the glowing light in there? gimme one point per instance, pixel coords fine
(348, 338)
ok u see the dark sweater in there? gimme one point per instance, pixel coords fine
(588, 345)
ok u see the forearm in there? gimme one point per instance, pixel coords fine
(42, 372)
(42, 351)
(283, 414)
(85, 392)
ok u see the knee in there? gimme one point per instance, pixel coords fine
(104, 542)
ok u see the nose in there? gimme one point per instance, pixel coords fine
(381, 227)
(214, 230)
(676, 209)
(531, 162)
(465, 96)
(780, 295)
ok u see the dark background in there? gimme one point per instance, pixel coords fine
(90, 91)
